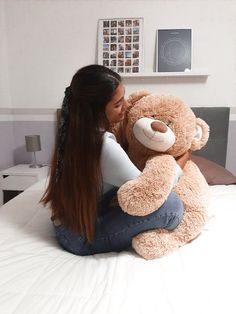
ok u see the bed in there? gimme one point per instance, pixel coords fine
(37, 276)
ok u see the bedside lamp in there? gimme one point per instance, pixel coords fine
(33, 145)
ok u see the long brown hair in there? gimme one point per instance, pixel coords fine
(73, 197)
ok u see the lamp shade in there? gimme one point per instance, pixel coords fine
(33, 143)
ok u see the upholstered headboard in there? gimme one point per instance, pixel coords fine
(218, 120)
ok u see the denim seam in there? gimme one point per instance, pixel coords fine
(108, 236)
(135, 224)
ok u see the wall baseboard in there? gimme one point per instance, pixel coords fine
(49, 114)
(28, 114)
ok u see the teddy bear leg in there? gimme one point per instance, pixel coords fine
(154, 243)
(191, 226)
(160, 242)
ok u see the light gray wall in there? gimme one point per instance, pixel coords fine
(5, 98)
(46, 41)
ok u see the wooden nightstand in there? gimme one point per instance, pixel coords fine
(18, 178)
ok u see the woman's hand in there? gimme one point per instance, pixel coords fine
(182, 160)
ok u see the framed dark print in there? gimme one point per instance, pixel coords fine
(173, 50)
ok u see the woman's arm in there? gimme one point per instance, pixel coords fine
(116, 166)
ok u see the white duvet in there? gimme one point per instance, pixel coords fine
(37, 276)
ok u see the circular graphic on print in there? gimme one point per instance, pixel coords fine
(175, 51)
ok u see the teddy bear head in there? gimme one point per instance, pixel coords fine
(163, 124)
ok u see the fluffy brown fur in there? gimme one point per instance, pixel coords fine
(148, 192)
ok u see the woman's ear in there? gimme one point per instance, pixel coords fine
(201, 135)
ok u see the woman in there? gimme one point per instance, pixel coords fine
(89, 166)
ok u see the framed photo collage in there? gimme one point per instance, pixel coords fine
(120, 44)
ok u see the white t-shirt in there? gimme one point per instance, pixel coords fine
(116, 166)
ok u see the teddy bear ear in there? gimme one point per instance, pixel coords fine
(201, 134)
(136, 96)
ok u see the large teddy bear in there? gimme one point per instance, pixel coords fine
(158, 129)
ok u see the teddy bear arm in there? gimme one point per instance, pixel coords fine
(149, 191)
(192, 187)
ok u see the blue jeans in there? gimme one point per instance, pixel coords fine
(115, 229)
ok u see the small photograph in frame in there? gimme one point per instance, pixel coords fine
(120, 44)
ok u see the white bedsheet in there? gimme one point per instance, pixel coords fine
(37, 276)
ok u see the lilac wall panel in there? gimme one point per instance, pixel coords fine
(6, 144)
(46, 130)
(13, 151)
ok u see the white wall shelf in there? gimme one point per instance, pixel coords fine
(204, 74)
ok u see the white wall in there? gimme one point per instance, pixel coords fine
(43, 43)
(5, 99)
(47, 41)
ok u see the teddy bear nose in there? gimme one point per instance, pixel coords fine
(158, 126)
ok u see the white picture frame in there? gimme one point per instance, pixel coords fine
(120, 44)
